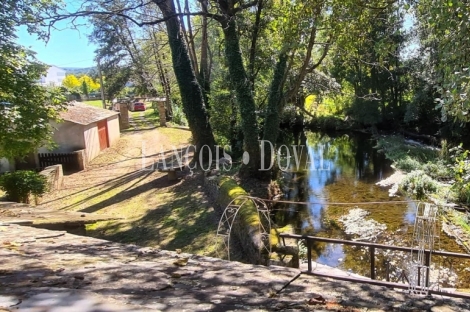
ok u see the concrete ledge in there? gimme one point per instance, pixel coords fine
(44, 271)
(55, 177)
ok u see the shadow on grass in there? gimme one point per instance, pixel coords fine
(184, 220)
(129, 183)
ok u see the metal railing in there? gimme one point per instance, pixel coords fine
(309, 240)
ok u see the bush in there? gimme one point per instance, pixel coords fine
(418, 184)
(461, 171)
(408, 164)
(178, 116)
(20, 185)
(439, 170)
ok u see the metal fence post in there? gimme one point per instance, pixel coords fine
(309, 254)
(372, 262)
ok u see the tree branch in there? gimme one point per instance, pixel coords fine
(53, 19)
(245, 6)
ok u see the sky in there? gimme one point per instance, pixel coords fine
(66, 47)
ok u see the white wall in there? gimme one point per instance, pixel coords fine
(92, 141)
(114, 131)
(68, 136)
(5, 165)
(54, 77)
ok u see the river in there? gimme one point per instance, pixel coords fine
(345, 168)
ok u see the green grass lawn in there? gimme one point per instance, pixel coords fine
(95, 103)
(150, 114)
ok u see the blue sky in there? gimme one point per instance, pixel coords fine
(66, 47)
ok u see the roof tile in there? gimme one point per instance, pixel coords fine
(84, 114)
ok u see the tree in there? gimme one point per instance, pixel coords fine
(191, 92)
(71, 82)
(88, 85)
(92, 85)
(26, 108)
(301, 33)
(372, 64)
(443, 29)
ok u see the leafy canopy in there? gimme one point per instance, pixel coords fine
(25, 107)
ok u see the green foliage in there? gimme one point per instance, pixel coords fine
(461, 171)
(406, 156)
(25, 107)
(221, 109)
(444, 26)
(178, 116)
(329, 123)
(419, 184)
(331, 104)
(367, 56)
(407, 163)
(20, 185)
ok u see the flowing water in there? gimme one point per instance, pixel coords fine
(344, 169)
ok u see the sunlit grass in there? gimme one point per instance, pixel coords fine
(95, 103)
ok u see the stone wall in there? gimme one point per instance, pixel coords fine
(55, 176)
(246, 229)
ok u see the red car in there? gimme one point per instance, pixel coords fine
(139, 106)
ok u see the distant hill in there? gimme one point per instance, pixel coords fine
(77, 71)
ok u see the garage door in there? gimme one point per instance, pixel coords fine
(103, 134)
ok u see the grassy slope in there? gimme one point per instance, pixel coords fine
(155, 212)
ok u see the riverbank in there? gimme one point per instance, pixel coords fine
(428, 172)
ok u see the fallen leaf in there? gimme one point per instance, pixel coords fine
(181, 262)
(12, 245)
(175, 275)
(317, 300)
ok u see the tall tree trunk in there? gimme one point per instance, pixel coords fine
(162, 76)
(188, 37)
(191, 94)
(245, 100)
(274, 108)
(204, 65)
(254, 40)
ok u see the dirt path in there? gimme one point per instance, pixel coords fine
(121, 182)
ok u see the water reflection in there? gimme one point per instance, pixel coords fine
(341, 168)
(344, 169)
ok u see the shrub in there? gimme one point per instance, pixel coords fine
(408, 164)
(20, 185)
(461, 171)
(396, 147)
(438, 170)
(178, 116)
(419, 184)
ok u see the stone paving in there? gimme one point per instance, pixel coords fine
(43, 270)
